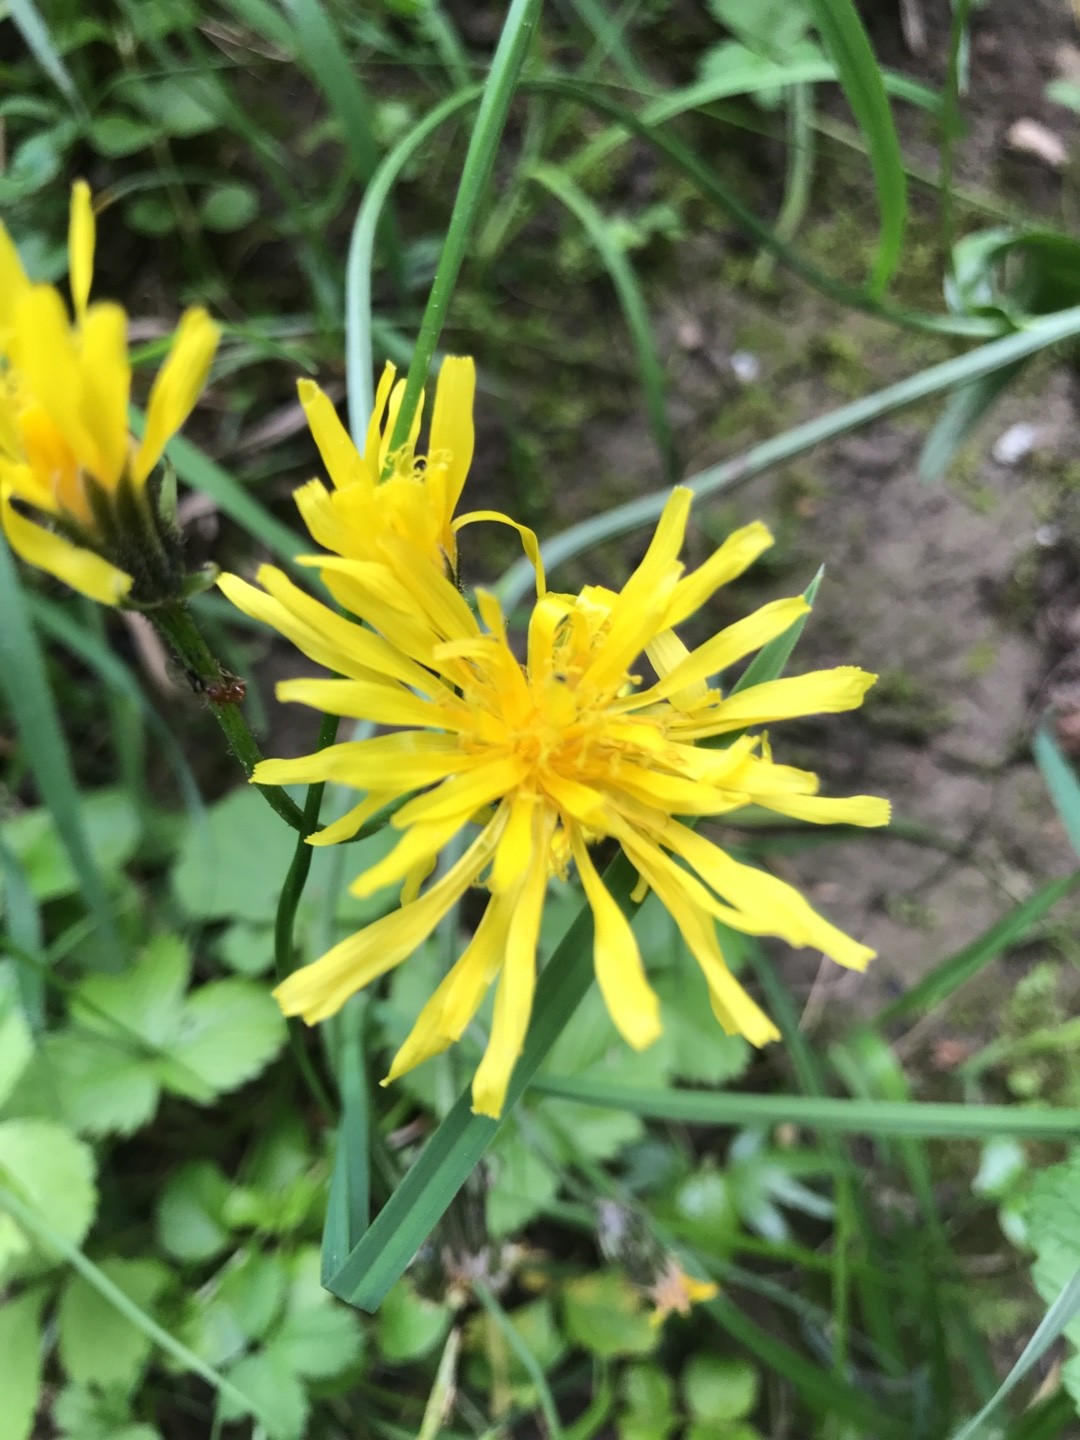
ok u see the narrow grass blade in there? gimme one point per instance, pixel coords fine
(201, 473)
(448, 1158)
(30, 24)
(965, 408)
(24, 681)
(730, 474)
(347, 1207)
(30, 1220)
(441, 1399)
(528, 1360)
(1062, 783)
(322, 52)
(635, 312)
(931, 1120)
(1061, 1313)
(22, 920)
(956, 970)
(359, 322)
(265, 19)
(502, 82)
(860, 77)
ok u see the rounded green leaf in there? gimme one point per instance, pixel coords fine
(98, 1345)
(410, 1325)
(229, 207)
(719, 1389)
(190, 1223)
(276, 1395)
(20, 1364)
(605, 1315)
(53, 1173)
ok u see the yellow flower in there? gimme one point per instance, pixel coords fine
(400, 495)
(674, 1292)
(65, 448)
(547, 757)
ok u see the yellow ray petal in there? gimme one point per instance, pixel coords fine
(383, 703)
(372, 459)
(320, 989)
(730, 645)
(415, 848)
(370, 764)
(820, 692)
(452, 434)
(346, 826)
(106, 383)
(529, 542)
(736, 554)
(13, 281)
(867, 810)
(514, 997)
(630, 999)
(81, 246)
(43, 352)
(462, 795)
(81, 569)
(179, 384)
(343, 464)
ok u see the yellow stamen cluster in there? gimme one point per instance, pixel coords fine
(66, 451)
(534, 760)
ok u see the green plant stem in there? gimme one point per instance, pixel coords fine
(285, 920)
(30, 1220)
(185, 639)
(528, 1360)
(499, 91)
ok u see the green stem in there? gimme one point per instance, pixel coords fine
(285, 920)
(502, 82)
(205, 671)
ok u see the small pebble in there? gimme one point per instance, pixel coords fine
(1017, 442)
(1047, 536)
(745, 367)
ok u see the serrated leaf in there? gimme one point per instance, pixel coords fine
(143, 1002)
(101, 1087)
(190, 1223)
(275, 1393)
(254, 1288)
(409, 1325)
(112, 831)
(98, 1345)
(605, 1315)
(20, 1364)
(52, 1172)
(229, 1030)
(522, 1182)
(318, 1341)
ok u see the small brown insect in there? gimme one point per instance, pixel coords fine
(229, 690)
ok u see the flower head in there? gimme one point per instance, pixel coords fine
(66, 451)
(396, 495)
(537, 760)
(674, 1292)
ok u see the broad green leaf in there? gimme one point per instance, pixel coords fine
(274, 1392)
(1054, 1234)
(99, 1085)
(409, 1325)
(190, 1223)
(98, 1345)
(317, 1341)
(718, 1389)
(247, 949)
(20, 1363)
(229, 1031)
(522, 1181)
(118, 135)
(112, 831)
(605, 1315)
(178, 104)
(84, 1413)
(254, 1287)
(51, 1172)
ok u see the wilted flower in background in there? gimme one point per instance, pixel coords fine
(66, 451)
(546, 758)
(674, 1292)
